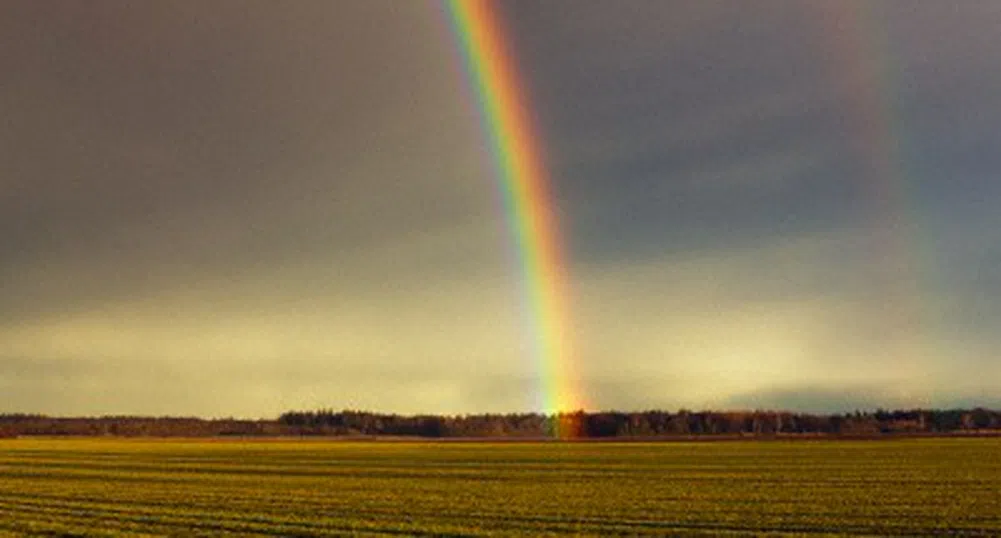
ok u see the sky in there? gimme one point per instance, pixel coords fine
(237, 208)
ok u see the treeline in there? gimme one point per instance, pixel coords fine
(643, 424)
(646, 424)
(135, 426)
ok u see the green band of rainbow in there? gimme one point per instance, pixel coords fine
(524, 187)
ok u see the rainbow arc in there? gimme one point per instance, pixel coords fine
(525, 189)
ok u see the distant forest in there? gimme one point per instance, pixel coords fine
(580, 424)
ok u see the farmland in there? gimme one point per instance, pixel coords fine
(311, 488)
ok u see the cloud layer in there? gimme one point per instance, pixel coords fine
(243, 208)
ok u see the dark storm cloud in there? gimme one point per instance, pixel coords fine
(651, 112)
(646, 110)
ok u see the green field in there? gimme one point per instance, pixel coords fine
(313, 488)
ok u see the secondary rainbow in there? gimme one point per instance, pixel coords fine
(863, 65)
(524, 186)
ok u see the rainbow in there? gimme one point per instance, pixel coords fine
(525, 190)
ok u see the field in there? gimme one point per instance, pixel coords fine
(312, 488)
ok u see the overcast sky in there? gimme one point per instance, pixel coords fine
(242, 207)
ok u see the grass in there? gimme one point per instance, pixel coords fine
(107, 487)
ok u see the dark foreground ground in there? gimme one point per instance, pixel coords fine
(904, 487)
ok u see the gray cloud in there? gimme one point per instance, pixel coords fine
(153, 147)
